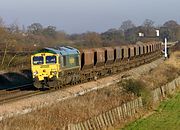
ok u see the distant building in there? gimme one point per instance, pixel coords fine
(141, 34)
(157, 33)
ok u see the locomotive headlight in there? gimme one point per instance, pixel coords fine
(53, 72)
(35, 73)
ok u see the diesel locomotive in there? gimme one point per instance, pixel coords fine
(61, 66)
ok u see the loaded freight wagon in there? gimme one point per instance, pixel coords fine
(61, 66)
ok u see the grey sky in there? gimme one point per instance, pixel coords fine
(77, 16)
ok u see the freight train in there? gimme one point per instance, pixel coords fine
(61, 66)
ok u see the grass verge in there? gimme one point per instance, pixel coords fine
(167, 117)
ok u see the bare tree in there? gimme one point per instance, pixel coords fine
(35, 28)
(14, 28)
(50, 31)
(148, 28)
(170, 24)
(93, 39)
(148, 23)
(128, 24)
(1, 22)
(171, 30)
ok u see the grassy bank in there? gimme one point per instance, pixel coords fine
(164, 73)
(167, 117)
(72, 110)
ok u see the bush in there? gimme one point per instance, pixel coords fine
(138, 88)
(133, 86)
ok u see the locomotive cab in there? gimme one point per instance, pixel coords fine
(44, 66)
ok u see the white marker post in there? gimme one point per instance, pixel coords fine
(165, 48)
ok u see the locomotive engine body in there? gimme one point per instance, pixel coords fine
(50, 64)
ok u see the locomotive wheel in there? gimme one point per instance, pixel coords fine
(51, 84)
(38, 84)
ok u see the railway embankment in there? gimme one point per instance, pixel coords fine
(98, 104)
(128, 111)
(10, 80)
(148, 98)
(150, 93)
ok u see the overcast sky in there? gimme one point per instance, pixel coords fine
(77, 16)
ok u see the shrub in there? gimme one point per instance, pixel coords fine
(138, 88)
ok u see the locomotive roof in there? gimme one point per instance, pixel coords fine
(65, 50)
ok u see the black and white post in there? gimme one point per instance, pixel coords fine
(165, 48)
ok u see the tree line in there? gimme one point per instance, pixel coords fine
(36, 35)
(128, 31)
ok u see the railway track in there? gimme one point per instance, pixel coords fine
(18, 96)
(20, 92)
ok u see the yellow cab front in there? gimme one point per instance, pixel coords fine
(44, 66)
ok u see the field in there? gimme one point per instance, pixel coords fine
(167, 117)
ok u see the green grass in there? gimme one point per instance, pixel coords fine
(167, 117)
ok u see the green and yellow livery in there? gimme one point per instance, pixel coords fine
(52, 63)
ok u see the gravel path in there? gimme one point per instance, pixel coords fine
(33, 103)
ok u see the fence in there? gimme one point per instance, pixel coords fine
(109, 118)
(127, 110)
(170, 88)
